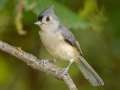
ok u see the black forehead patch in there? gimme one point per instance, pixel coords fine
(40, 18)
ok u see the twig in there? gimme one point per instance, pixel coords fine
(42, 65)
(19, 16)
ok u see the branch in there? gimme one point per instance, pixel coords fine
(42, 65)
(19, 16)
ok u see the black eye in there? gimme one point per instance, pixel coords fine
(47, 19)
(40, 18)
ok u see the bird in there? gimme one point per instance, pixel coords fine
(60, 42)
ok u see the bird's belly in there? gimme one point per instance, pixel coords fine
(66, 51)
(58, 48)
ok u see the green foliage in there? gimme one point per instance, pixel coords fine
(2, 3)
(4, 71)
(95, 24)
(69, 18)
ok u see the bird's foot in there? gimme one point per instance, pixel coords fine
(65, 71)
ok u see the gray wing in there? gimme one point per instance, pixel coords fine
(69, 38)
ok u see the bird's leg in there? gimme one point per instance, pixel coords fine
(66, 69)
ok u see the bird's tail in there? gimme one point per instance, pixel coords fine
(89, 73)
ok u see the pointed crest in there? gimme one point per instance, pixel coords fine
(48, 11)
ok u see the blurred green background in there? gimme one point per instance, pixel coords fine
(95, 24)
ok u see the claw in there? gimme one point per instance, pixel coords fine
(65, 71)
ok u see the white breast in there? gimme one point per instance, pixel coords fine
(56, 45)
(50, 40)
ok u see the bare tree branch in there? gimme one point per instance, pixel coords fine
(42, 65)
(19, 16)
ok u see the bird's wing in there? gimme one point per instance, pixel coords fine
(69, 38)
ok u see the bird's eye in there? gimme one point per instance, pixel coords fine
(40, 18)
(47, 18)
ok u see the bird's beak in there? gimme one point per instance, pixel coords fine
(38, 23)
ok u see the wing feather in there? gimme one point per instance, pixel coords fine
(69, 38)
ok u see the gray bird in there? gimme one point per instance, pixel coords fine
(61, 43)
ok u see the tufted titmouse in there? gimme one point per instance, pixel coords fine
(61, 43)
